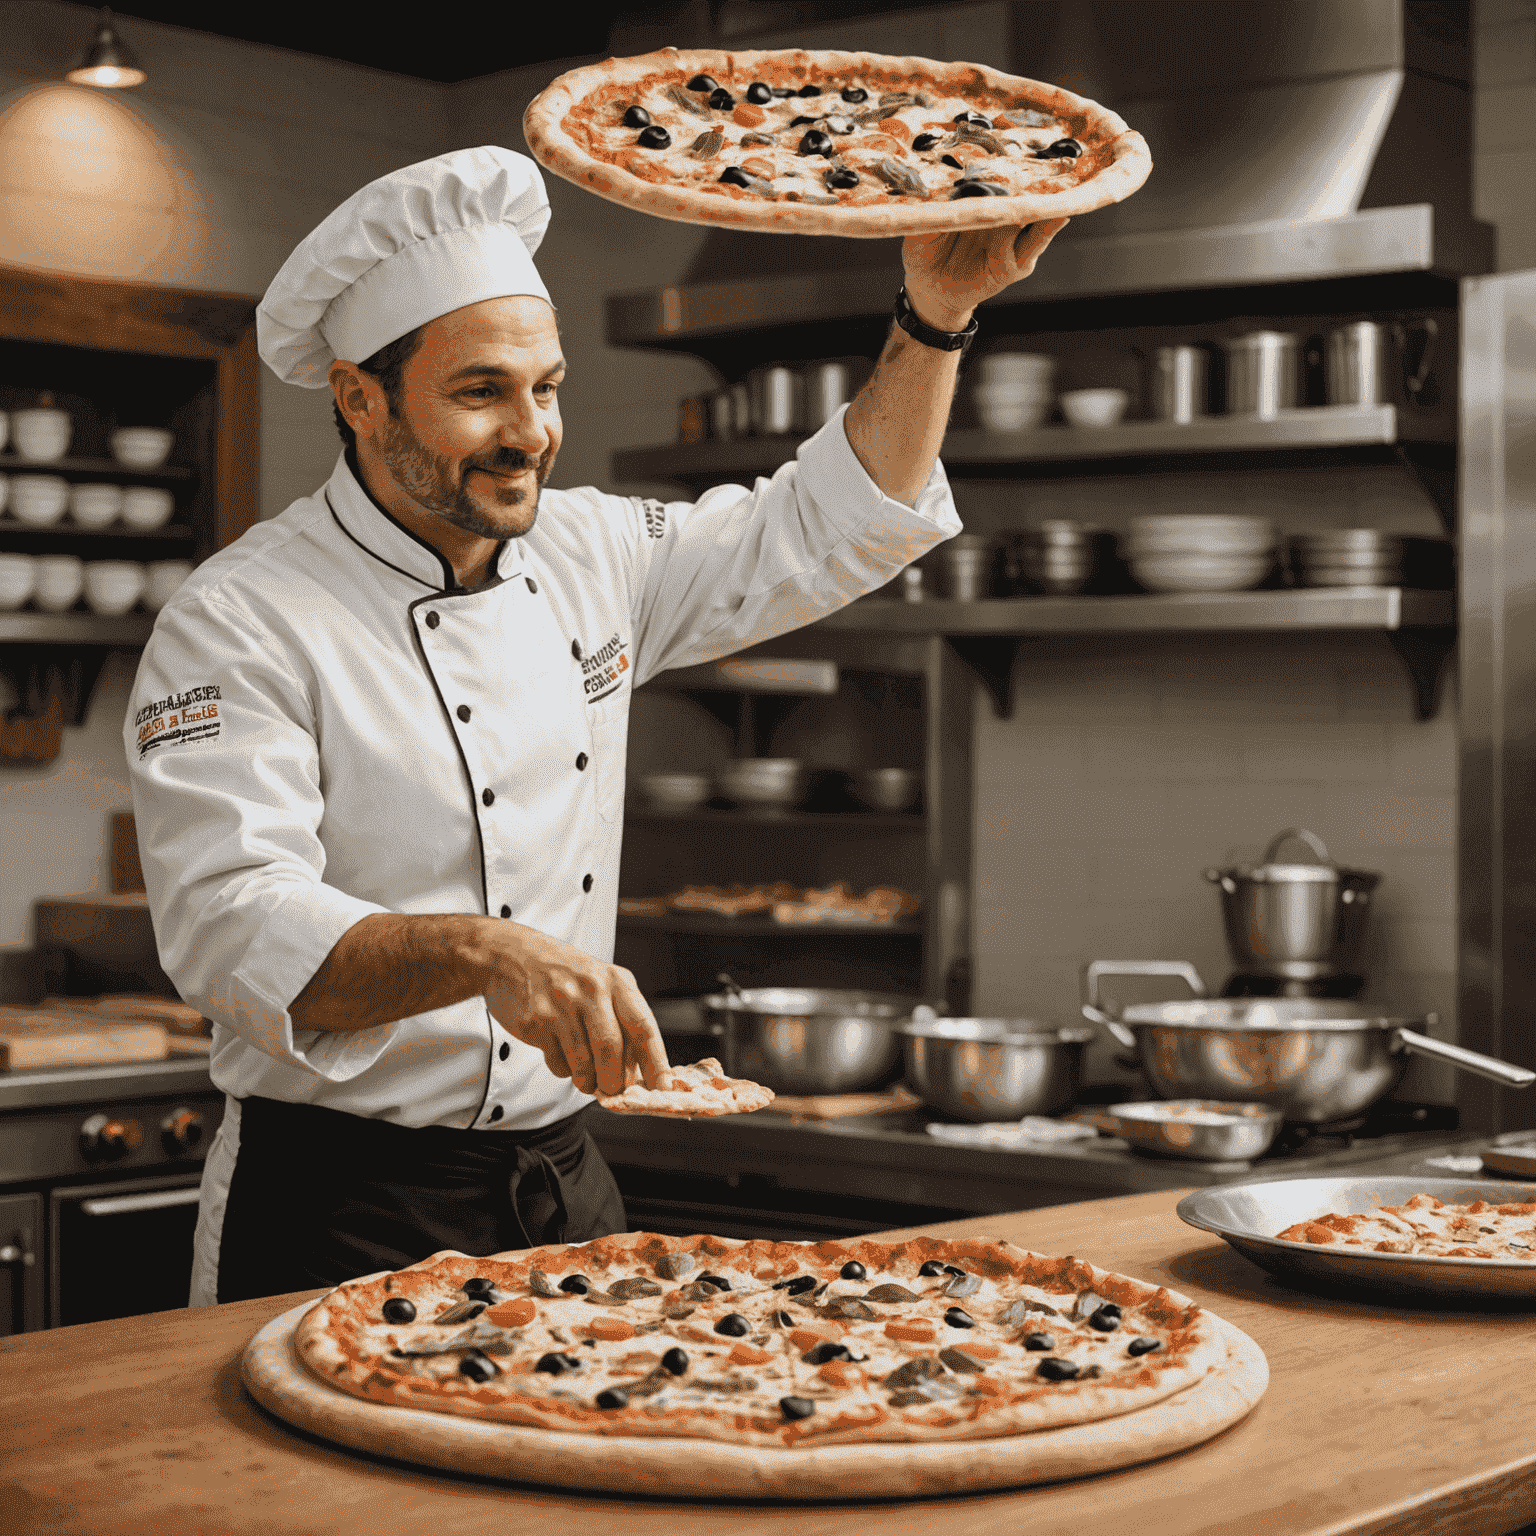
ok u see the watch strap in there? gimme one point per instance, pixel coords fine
(931, 336)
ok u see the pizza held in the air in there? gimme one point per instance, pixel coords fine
(701, 1088)
(763, 1343)
(829, 142)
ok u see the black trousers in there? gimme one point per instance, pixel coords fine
(319, 1196)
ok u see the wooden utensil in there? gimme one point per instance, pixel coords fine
(38, 1037)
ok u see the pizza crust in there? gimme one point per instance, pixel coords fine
(1115, 160)
(700, 1089)
(345, 1343)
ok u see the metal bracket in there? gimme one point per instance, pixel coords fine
(991, 658)
(1424, 653)
(1433, 465)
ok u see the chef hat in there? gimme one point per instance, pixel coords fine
(413, 245)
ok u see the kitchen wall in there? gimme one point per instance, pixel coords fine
(1121, 776)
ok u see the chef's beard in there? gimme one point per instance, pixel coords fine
(437, 483)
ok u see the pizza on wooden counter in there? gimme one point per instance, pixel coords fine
(828, 142)
(1430, 1228)
(763, 1343)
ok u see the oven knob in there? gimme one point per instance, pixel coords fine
(182, 1130)
(110, 1139)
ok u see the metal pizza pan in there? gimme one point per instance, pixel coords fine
(1248, 1215)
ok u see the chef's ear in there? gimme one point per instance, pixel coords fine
(360, 399)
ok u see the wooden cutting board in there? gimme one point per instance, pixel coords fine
(676, 1467)
(36, 1037)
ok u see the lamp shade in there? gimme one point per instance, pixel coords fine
(108, 62)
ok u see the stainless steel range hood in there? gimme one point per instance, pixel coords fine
(1294, 140)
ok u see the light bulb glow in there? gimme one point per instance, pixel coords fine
(111, 76)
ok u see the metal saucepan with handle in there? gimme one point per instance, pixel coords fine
(1312, 1059)
(993, 1069)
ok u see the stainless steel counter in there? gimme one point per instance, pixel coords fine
(50, 1087)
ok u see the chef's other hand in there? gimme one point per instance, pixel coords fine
(948, 275)
(586, 1016)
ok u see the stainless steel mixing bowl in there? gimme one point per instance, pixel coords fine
(809, 1040)
(993, 1069)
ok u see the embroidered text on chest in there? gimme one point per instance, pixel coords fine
(603, 670)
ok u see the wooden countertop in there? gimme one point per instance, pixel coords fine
(1377, 1420)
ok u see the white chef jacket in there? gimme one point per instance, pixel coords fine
(324, 726)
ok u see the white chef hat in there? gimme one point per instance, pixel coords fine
(413, 245)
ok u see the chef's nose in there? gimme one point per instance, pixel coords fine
(523, 427)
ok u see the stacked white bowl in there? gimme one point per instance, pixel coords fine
(165, 576)
(1199, 552)
(1013, 390)
(147, 506)
(141, 447)
(60, 580)
(18, 575)
(1347, 557)
(113, 586)
(42, 434)
(95, 506)
(38, 500)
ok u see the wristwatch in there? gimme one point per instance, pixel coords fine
(930, 336)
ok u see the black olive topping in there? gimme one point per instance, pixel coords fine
(1053, 1369)
(795, 122)
(703, 83)
(1106, 1319)
(733, 1325)
(557, 1364)
(825, 1352)
(734, 176)
(1062, 149)
(927, 141)
(577, 1285)
(721, 100)
(815, 142)
(612, 1398)
(719, 1282)
(841, 179)
(809, 90)
(758, 93)
(953, 1269)
(786, 1320)
(478, 1367)
(958, 1317)
(852, 1270)
(1143, 1346)
(398, 1310)
(784, 1285)
(781, 91)
(675, 1361)
(968, 188)
(476, 1283)
(800, 1285)
(637, 117)
(1039, 1341)
(950, 160)
(855, 93)
(796, 1407)
(975, 119)
(654, 137)
(932, 1267)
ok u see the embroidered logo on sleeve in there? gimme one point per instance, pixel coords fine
(603, 671)
(655, 518)
(183, 717)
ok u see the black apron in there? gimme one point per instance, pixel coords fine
(319, 1196)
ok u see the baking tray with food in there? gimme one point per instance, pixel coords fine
(1250, 1216)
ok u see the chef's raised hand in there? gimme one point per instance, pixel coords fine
(948, 275)
(586, 1016)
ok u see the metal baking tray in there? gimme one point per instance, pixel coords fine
(1248, 1215)
(1514, 1156)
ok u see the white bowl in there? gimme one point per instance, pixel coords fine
(95, 506)
(764, 781)
(676, 791)
(1037, 366)
(1197, 535)
(1016, 416)
(1094, 407)
(1201, 573)
(60, 580)
(165, 576)
(113, 586)
(42, 434)
(142, 447)
(18, 575)
(147, 506)
(5, 428)
(38, 500)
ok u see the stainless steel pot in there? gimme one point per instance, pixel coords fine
(1302, 920)
(1263, 373)
(1313, 1060)
(1180, 383)
(993, 1069)
(808, 1040)
(1206, 1130)
(777, 400)
(1367, 363)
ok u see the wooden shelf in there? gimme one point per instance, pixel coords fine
(706, 924)
(851, 820)
(172, 533)
(128, 631)
(10, 464)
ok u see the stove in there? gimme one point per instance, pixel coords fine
(99, 1173)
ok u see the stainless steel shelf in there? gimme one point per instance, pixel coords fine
(771, 818)
(1384, 608)
(130, 630)
(708, 924)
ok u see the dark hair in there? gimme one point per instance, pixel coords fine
(387, 365)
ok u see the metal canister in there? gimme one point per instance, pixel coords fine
(1180, 383)
(1263, 373)
(777, 396)
(964, 566)
(722, 419)
(827, 387)
(1366, 363)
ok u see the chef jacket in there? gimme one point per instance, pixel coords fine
(326, 725)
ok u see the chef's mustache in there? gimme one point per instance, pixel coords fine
(507, 461)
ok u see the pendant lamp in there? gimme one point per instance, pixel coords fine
(109, 61)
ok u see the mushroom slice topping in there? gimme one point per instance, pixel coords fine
(903, 179)
(462, 1313)
(917, 1369)
(849, 1306)
(958, 1360)
(735, 1382)
(480, 1338)
(597, 1298)
(707, 144)
(673, 1266)
(541, 1285)
(891, 1293)
(969, 133)
(699, 1290)
(1087, 1303)
(680, 98)
(1017, 1313)
(961, 1285)
(627, 1290)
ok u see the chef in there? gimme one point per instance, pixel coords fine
(377, 744)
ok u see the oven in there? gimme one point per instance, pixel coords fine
(98, 1194)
